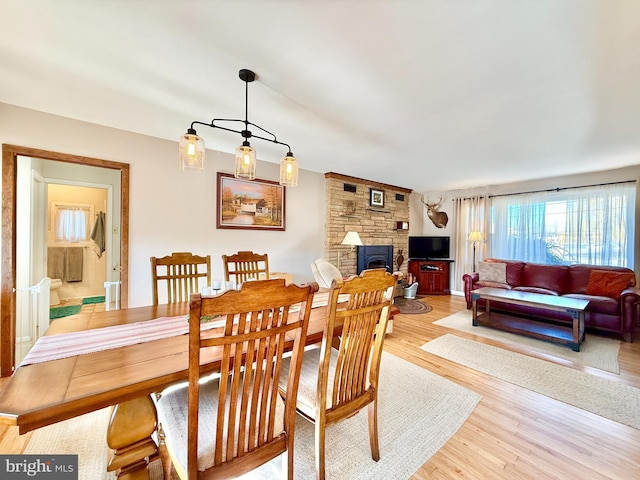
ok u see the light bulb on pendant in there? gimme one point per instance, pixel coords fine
(191, 148)
(289, 170)
(245, 161)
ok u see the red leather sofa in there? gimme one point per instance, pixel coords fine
(614, 300)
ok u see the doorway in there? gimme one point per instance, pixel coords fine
(10, 154)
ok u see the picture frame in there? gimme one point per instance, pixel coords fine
(376, 197)
(249, 204)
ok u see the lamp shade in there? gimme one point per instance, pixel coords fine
(191, 147)
(245, 162)
(289, 170)
(352, 239)
(475, 236)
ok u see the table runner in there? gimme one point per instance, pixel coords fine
(64, 345)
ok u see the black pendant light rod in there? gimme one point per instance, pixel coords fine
(246, 76)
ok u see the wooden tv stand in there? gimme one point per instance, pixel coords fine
(432, 276)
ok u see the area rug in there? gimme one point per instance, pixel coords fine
(84, 436)
(418, 412)
(610, 399)
(59, 312)
(595, 351)
(411, 306)
(90, 300)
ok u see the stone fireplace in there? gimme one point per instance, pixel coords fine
(349, 208)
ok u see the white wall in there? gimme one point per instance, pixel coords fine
(175, 211)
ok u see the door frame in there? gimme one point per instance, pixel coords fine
(10, 155)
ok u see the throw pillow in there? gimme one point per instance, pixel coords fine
(606, 283)
(494, 285)
(492, 272)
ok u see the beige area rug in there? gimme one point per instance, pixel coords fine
(595, 351)
(418, 412)
(610, 399)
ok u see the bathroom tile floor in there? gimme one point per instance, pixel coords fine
(84, 308)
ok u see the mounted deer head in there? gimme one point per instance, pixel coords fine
(439, 219)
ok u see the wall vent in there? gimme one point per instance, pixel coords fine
(400, 197)
(349, 188)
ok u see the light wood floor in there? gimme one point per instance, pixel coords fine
(513, 433)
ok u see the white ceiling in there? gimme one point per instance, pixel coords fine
(423, 94)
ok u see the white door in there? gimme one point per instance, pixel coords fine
(32, 305)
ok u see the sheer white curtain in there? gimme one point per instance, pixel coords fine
(518, 227)
(471, 215)
(71, 225)
(593, 225)
(597, 225)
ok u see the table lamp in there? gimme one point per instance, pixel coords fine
(352, 239)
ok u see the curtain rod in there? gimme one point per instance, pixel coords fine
(555, 189)
(563, 188)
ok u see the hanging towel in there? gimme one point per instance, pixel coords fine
(74, 264)
(97, 235)
(55, 262)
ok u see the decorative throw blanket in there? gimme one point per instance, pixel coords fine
(56, 347)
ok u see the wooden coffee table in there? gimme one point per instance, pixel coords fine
(538, 327)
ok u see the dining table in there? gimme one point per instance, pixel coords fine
(75, 374)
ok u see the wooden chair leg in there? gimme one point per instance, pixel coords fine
(287, 460)
(373, 430)
(164, 454)
(320, 439)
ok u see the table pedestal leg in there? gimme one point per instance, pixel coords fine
(474, 309)
(129, 434)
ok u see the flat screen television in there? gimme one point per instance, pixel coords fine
(428, 248)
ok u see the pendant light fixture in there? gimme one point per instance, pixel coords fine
(192, 146)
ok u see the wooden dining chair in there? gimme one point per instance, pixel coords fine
(245, 265)
(184, 274)
(235, 422)
(337, 382)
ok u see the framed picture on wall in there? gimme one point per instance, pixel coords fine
(250, 204)
(376, 197)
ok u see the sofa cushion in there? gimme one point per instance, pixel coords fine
(492, 272)
(604, 305)
(579, 276)
(543, 291)
(550, 277)
(608, 284)
(493, 285)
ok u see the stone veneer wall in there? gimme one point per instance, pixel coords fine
(350, 211)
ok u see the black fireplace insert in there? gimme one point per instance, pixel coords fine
(375, 256)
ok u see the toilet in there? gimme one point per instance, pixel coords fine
(54, 299)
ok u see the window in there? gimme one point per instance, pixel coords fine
(589, 225)
(71, 223)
